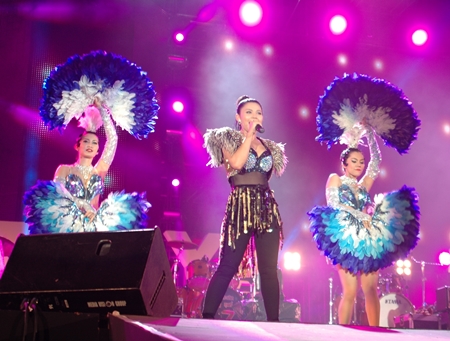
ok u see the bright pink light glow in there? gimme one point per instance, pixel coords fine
(178, 106)
(446, 128)
(342, 59)
(229, 45)
(444, 258)
(419, 37)
(338, 24)
(292, 261)
(250, 13)
(179, 37)
(175, 182)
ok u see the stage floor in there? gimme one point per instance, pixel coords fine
(144, 328)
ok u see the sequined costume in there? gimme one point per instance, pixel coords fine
(252, 220)
(251, 204)
(59, 206)
(339, 231)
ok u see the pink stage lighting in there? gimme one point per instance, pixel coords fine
(179, 37)
(419, 37)
(338, 24)
(444, 258)
(403, 267)
(175, 182)
(292, 261)
(446, 128)
(250, 13)
(228, 45)
(178, 106)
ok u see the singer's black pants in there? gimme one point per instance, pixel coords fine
(267, 246)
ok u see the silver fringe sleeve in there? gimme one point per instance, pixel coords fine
(216, 139)
(111, 137)
(332, 195)
(373, 169)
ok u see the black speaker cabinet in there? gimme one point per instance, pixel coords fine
(443, 299)
(95, 272)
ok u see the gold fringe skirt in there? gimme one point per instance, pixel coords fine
(250, 209)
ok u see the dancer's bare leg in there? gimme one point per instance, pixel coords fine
(349, 284)
(369, 283)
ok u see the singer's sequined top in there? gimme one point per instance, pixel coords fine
(230, 139)
(255, 163)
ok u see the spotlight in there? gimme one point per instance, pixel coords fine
(444, 258)
(292, 261)
(179, 37)
(228, 45)
(175, 182)
(178, 106)
(338, 24)
(403, 267)
(447, 128)
(342, 59)
(268, 50)
(419, 37)
(303, 112)
(378, 64)
(250, 13)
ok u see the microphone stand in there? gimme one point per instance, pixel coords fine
(330, 321)
(424, 304)
(424, 279)
(175, 265)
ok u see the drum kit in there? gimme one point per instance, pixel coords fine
(199, 273)
(393, 302)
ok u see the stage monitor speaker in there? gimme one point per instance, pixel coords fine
(92, 272)
(443, 299)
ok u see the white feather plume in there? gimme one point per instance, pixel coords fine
(120, 103)
(74, 103)
(353, 119)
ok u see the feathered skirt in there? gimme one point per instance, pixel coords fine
(51, 208)
(393, 232)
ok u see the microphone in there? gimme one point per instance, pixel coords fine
(260, 129)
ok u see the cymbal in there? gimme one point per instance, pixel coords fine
(7, 246)
(178, 244)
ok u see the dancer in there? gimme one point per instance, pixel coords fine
(358, 242)
(251, 212)
(97, 89)
(70, 203)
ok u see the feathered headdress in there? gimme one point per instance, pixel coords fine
(356, 101)
(125, 89)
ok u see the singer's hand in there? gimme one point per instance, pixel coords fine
(251, 129)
